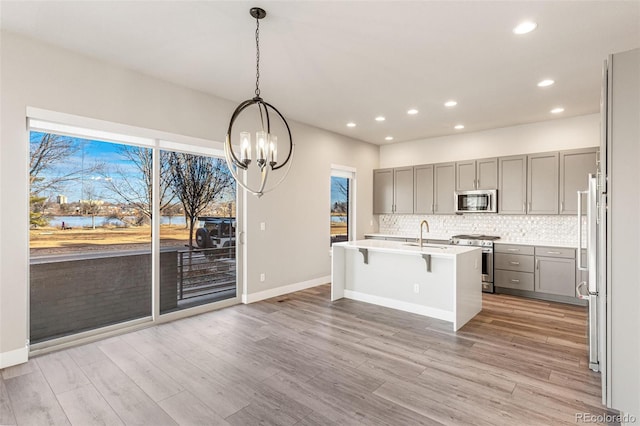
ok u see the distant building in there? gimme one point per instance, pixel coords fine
(61, 199)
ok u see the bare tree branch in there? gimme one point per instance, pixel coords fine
(197, 182)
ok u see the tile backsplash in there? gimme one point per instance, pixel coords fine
(517, 228)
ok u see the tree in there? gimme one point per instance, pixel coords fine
(91, 205)
(36, 216)
(136, 189)
(197, 181)
(48, 156)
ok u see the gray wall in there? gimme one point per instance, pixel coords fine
(95, 291)
(290, 251)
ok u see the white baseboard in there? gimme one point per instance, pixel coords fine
(14, 357)
(285, 289)
(402, 306)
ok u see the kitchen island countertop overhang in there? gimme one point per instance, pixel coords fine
(438, 281)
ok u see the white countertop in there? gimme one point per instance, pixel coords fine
(437, 236)
(536, 243)
(436, 250)
(426, 236)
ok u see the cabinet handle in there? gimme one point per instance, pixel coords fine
(514, 263)
(515, 281)
(524, 207)
(477, 183)
(561, 206)
(553, 252)
(512, 249)
(537, 264)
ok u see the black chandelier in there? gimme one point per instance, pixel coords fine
(266, 144)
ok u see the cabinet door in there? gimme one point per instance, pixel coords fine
(383, 191)
(575, 167)
(465, 175)
(403, 190)
(445, 185)
(512, 184)
(542, 183)
(555, 275)
(423, 189)
(487, 173)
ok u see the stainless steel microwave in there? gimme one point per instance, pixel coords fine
(478, 201)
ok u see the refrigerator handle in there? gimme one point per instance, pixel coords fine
(581, 267)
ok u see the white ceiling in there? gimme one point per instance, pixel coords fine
(329, 62)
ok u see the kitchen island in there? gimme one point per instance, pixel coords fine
(438, 281)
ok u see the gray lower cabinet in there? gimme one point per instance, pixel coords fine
(444, 188)
(512, 184)
(555, 275)
(575, 167)
(542, 183)
(423, 189)
(513, 267)
(538, 271)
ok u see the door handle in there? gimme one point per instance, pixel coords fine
(582, 295)
(515, 281)
(514, 263)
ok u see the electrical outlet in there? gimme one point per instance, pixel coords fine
(416, 288)
(262, 278)
(263, 226)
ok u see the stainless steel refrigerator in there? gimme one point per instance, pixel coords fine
(610, 238)
(592, 259)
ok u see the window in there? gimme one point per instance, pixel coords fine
(341, 211)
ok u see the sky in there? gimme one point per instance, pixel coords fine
(336, 193)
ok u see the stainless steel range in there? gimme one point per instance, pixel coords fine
(486, 243)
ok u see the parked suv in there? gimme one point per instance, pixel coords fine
(216, 232)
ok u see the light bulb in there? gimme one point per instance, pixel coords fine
(245, 146)
(261, 137)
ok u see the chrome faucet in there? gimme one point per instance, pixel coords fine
(424, 222)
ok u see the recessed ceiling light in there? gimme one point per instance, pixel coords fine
(545, 83)
(525, 27)
(557, 110)
(459, 127)
(412, 111)
(380, 118)
(351, 124)
(450, 104)
(388, 138)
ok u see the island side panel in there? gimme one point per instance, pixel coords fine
(389, 278)
(337, 272)
(468, 294)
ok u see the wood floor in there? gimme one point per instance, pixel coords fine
(302, 360)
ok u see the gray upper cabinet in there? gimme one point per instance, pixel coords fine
(403, 190)
(444, 188)
(487, 173)
(575, 167)
(383, 191)
(512, 184)
(423, 189)
(465, 175)
(542, 183)
(477, 174)
(393, 190)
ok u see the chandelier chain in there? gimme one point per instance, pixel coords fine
(257, 92)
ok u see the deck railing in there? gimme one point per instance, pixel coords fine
(204, 272)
